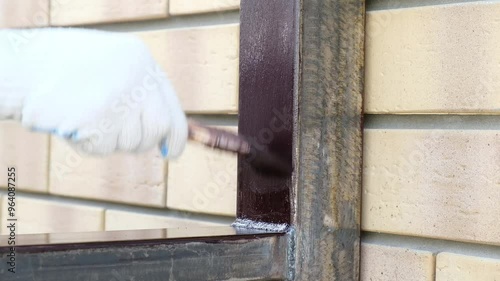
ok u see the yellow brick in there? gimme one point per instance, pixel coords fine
(202, 64)
(77, 12)
(126, 178)
(125, 220)
(44, 216)
(28, 153)
(432, 183)
(203, 180)
(433, 59)
(181, 7)
(380, 263)
(455, 267)
(26, 13)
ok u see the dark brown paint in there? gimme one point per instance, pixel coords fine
(267, 53)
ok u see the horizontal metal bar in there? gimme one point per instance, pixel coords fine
(242, 255)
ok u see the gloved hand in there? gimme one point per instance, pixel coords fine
(101, 91)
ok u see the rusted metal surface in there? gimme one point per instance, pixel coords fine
(246, 255)
(267, 57)
(328, 160)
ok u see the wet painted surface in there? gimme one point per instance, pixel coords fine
(267, 55)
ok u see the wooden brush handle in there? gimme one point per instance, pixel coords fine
(218, 138)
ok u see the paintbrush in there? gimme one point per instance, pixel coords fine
(262, 161)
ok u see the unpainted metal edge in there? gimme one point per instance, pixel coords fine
(292, 237)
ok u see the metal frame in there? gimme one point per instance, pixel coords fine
(301, 85)
(216, 254)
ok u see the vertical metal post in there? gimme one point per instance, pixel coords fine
(327, 186)
(303, 61)
(267, 71)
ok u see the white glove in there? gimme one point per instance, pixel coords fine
(101, 91)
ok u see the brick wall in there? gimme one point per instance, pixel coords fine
(431, 181)
(59, 190)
